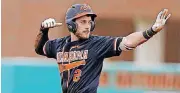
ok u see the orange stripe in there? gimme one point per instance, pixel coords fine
(64, 67)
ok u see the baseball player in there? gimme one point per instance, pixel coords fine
(80, 55)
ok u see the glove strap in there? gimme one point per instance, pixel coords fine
(149, 33)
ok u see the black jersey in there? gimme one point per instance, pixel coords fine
(81, 61)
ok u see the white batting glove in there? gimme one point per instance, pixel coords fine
(161, 20)
(48, 23)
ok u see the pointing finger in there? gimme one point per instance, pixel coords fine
(58, 24)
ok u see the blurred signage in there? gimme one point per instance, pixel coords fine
(145, 80)
(148, 80)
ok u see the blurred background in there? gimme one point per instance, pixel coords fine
(153, 67)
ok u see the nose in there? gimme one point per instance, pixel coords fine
(88, 27)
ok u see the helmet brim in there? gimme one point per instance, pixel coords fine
(84, 14)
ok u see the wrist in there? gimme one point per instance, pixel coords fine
(44, 30)
(149, 33)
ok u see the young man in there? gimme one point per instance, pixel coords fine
(80, 56)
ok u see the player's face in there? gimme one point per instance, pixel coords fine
(84, 26)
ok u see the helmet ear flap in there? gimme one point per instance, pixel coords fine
(72, 26)
(92, 26)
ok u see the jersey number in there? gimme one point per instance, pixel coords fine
(77, 75)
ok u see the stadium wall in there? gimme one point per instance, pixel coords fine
(37, 75)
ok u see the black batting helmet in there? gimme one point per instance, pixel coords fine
(76, 11)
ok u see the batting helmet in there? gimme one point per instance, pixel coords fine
(76, 11)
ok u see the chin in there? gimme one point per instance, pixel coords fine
(84, 37)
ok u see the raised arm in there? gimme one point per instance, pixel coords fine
(42, 36)
(133, 40)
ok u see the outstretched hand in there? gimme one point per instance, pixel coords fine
(161, 20)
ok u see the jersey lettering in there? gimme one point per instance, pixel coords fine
(72, 56)
(72, 59)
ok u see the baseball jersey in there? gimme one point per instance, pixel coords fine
(80, 62)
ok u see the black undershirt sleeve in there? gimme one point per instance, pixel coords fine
(41, 39)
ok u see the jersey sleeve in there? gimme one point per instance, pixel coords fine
(109, 46)
(50, 48)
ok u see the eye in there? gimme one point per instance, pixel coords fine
(83, 21)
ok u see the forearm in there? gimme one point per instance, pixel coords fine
(138, 38)
(133, 40)
(41, 39)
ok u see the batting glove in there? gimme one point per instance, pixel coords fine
(161, 20)
(48, 23)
